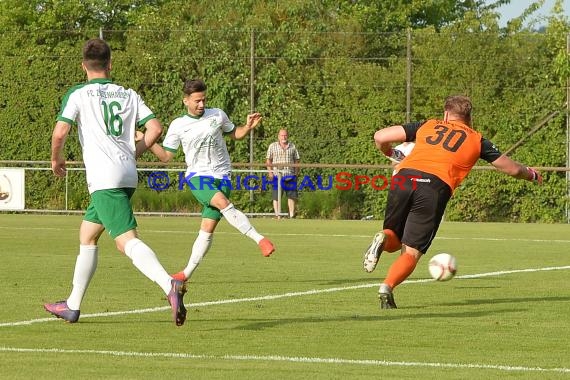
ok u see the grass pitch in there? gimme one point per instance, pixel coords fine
(307, 312)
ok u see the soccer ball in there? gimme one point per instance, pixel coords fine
(442, 267)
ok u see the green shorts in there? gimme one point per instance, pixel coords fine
(112, 208)
(204, 189)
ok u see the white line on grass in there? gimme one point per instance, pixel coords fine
(380, 363)
(291, 359)
(307, 235)
(276, 296)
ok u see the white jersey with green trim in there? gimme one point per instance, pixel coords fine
(107, 116)
(203, 142)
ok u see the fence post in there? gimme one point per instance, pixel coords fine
(409, 76)
(66, 188)
(279, 176)
(567, 132)
(252, 106)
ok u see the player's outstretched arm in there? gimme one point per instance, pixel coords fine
(385, 137)
(516, 170)
(162, 154)
(58, 138)
(252, 122)
(151, 135)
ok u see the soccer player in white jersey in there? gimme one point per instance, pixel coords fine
(200, 133)
(106, 116)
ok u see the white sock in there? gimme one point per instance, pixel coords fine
(145, 260)
(199, 249)
(254, 235)
(238, 219)
(85, 266)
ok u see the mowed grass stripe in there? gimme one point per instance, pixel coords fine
(277, 358)
(277, 296)
(479, 238)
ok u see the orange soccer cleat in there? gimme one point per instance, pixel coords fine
(266, 247)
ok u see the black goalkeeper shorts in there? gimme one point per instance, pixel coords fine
(415, 207)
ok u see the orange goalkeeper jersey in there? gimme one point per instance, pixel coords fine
(448, 150)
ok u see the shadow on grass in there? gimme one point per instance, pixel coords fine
(383, 315)
(493, 301)
(288, 281)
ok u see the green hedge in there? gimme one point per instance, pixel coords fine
(331, 80)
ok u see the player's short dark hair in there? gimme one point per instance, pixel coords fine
(460, 106)
(194, 85)
(96, 54)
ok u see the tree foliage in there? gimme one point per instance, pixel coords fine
(332, 72)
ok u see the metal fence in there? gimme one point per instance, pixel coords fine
(390, 77)
(150, 177)
(69, 195)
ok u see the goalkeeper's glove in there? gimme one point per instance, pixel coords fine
(534, 176)
(396, 155)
